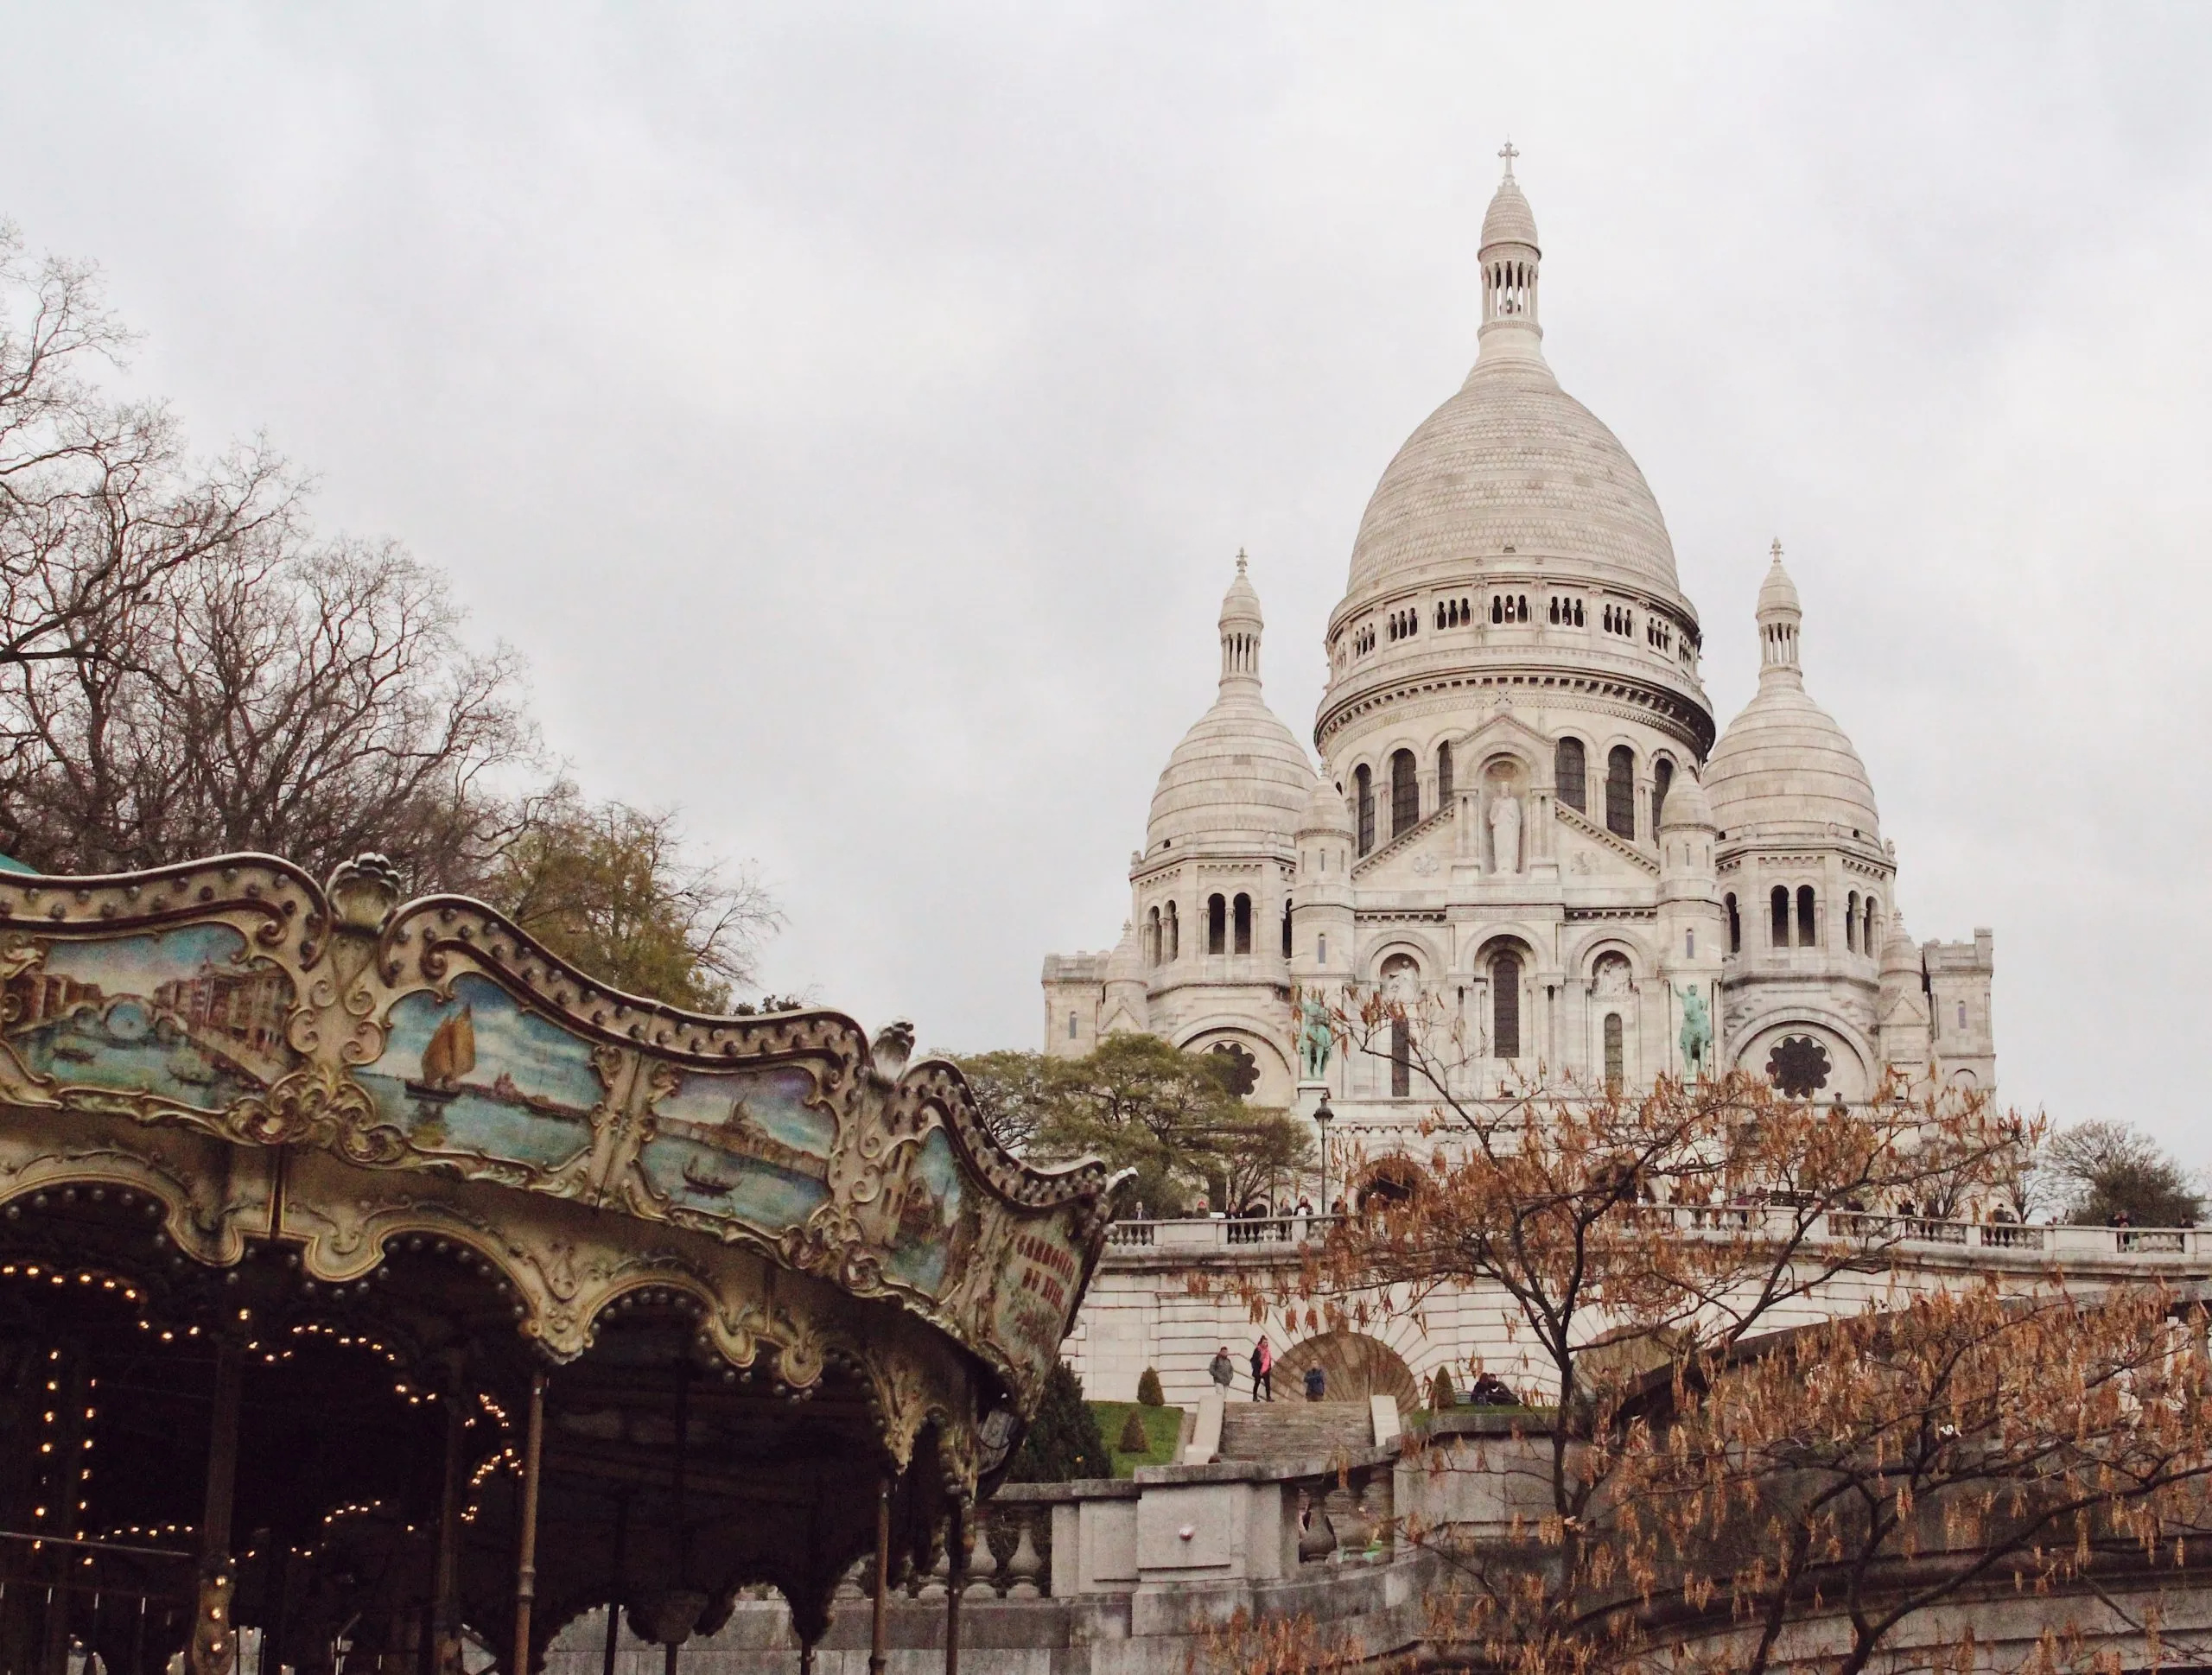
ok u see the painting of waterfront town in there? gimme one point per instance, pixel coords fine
(185, 1015)
(744, 1145)
(921, 1209)
(480, 1075)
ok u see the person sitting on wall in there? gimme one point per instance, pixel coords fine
(1223, 1371)
(1491, 1391)
(1317, 1384)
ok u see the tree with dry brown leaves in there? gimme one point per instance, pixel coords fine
(1645, 1250)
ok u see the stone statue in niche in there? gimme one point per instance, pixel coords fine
(1314, 1039)
(1697, 1033)
(1505, 832)
(1612, 977)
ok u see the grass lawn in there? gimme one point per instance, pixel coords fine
(1163, 1425)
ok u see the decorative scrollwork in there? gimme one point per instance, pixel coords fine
(318, 1105)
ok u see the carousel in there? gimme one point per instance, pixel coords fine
(379, 1293)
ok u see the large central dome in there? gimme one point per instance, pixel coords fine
(1512, 465)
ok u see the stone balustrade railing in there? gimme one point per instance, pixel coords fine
(2051, 1240)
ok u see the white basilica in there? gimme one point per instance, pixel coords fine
(1521, 813)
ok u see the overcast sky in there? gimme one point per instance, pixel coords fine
(853, 414)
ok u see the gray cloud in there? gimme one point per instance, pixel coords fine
(853, 412)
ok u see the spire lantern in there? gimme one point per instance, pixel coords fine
(1780, 616)
(1240, 631)
(1511, 257)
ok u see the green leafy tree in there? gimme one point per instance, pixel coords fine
(1064, 1442)
(1139, 1103)
(2096, 1173)
(1013, 1094)
(610, 888)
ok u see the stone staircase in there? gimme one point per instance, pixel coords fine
(1296, 1429)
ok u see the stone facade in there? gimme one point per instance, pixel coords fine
(1522, 814)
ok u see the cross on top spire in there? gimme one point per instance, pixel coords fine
(1777, 549)
(1507, 152)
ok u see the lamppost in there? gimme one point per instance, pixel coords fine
(1322, 1117)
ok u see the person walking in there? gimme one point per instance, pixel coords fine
(1222, 1370)
(1263, 1370)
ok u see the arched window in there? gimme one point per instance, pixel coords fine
(1286, 930)
(1402, 987)
(1505, 1005)
(1873, 937)
(1405, 793)
(1620, 791)
(1850, 922)
(1152, 937)
(1808, 917)
(1364, 785)
(1613, 1069)
(1243, 918)
(1444, 774)
(1170, 927)
(1735, 925)
(1216, 925)
(1567, 769)
(1781, 938)
(1662, 776)
(1071, 1034)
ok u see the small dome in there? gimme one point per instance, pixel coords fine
(1784, 768)
(1686, 809)
(1240, 605)
(1777, 593)
(1900, 954)
(1126, 964)
(1239, 779)
(1510, 220)
(1325, 811)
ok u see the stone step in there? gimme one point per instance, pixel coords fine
(1294, 1429)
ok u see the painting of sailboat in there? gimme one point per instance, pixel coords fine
(478, 1074)
(450, 1054)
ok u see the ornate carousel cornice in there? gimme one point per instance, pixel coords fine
(339, 1070)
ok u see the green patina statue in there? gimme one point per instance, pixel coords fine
(1697, 1033)
(1315, 1040)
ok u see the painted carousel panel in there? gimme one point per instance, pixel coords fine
(920, 1220)
(187, 1015)
(753, 1146)
(480, 1075)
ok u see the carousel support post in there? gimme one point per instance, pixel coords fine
(445, 1612)
(526, 1555)
(882, 1576)
(222, 1450)
(614, 1583)
(213, 1646)
(956, 1572)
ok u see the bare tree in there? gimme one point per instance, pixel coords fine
(310, 701)
(99, 502)
(186, 668)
